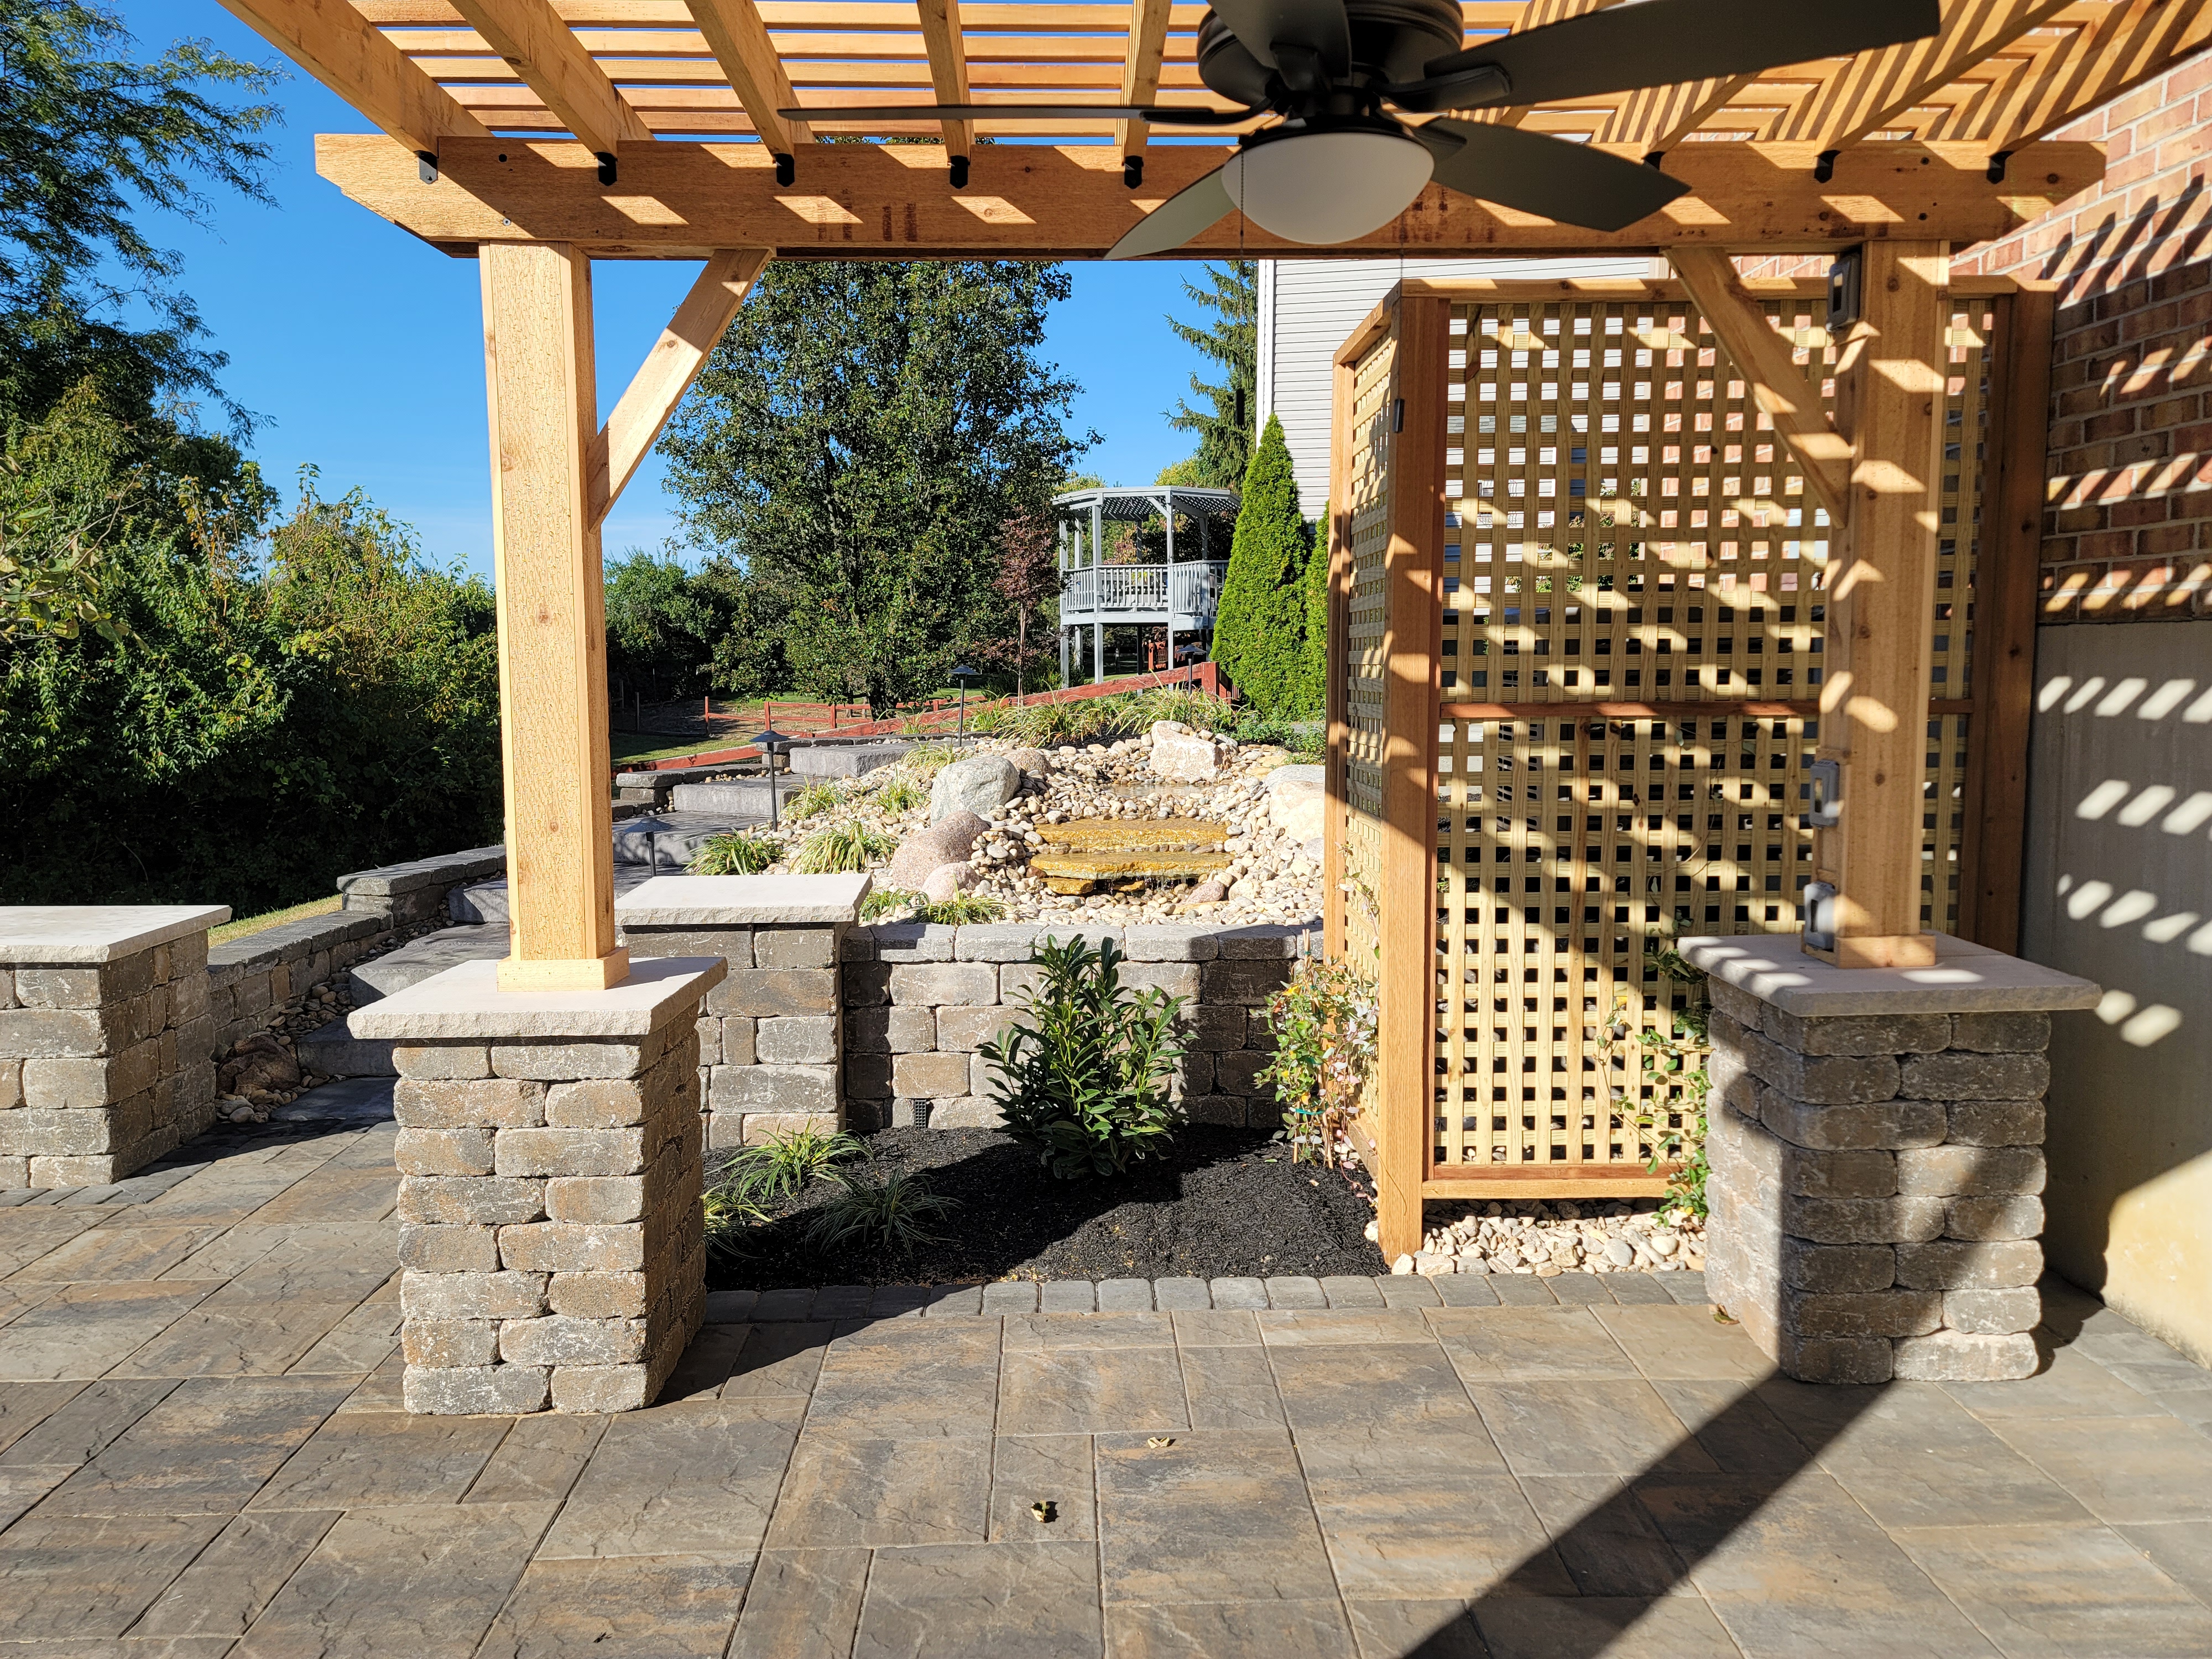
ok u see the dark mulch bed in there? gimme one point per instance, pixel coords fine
(1222, 1203)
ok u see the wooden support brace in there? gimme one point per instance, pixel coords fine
(667, 372)
(1777, 385)
(552, 625)
(1890, 384)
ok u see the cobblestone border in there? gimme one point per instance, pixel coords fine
(1110, 1296)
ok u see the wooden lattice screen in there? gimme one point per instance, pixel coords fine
(1625, 593)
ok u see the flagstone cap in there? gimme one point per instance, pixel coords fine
(742, 900)
(98, 932)
(466, 1001)
(1965, 979)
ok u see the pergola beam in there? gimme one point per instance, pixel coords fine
(739, 40)
(1778, 386)
(540, 48)
(2094, 64)
(1535, 14)
(1141, 70)
(667, 372)
(1657, 119)
(948, 68)
(330, 39)
(1868, 93)
(680, 200)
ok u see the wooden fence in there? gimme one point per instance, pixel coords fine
(1577, 621)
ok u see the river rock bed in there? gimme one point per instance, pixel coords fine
(1546, 1238)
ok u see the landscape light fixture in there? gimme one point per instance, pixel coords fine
(960, 675)
(772, 743)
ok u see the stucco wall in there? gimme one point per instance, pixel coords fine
(2120, 890)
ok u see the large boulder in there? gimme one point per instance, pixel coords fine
(1296, 804)
(981, 784)
(948, 842)
(948, 881)
(1184, 756)
(1034, 761)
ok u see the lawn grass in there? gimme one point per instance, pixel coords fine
(245, 924)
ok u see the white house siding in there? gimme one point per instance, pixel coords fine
(1308, 307)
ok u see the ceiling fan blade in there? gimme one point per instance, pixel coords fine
(1319, 25)
(1658, 43)
(1535, 173)
(1158, 115)
(1191, 210)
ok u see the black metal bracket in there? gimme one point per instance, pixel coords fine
(959, 172)
(606, 168)
(1996, 174)
(1823, 165)
(426, 166)
(1656, 161)
(787, 170)
(1132, 172)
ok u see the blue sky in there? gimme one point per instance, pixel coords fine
(361, 347)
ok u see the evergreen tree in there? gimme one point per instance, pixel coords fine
(1259, 634)
(1313, 677)
(1232, 340)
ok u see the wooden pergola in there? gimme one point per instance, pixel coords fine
(536, 135)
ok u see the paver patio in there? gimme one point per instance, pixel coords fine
(202, 1454)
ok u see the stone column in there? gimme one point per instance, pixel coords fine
(772, 1035)
(1876, 1140)
(106, 1046)
(550, 1167)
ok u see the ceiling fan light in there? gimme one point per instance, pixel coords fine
(1321, 188)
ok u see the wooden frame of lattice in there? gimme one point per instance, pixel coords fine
(1607, 741)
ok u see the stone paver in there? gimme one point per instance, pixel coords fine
(203, 1452)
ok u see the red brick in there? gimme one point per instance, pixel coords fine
(2167, 538)
(2170, 412)
(2136, 514)
(2108, 544)
(2116, 423)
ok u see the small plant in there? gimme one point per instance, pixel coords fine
(730, 1215)
(851, 845)
(901, 795)
(882, 1211)
(928, 759)
(961, 908)
(1323, 1024)
(779, 1167)
(1085, 1079)
(813, 800)
(1670, 1063)
(891, 901)
(737, 852)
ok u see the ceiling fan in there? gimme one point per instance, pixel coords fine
(1340, 163)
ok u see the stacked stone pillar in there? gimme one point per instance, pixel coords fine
(1876, 1141)
(550, 1172)
(772, 1034)
(106, 1046)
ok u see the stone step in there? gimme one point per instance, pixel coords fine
(417, 960)
(487, 900)
(1078, 872)
(335, 1051)
(842, 760)
(1135, 835)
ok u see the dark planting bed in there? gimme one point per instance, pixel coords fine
(1221, 1203)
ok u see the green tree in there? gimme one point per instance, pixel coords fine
(88, 139)
(1232, 339)
(1313, 677)
(853, 447)
(663, 623)
(1259, 634)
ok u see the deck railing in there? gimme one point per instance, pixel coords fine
(1125, 590)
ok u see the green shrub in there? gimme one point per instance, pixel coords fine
(930, 758)
(1302, 738)
(893, 902)
(1259, 633)
(843, 846)
(1323, 1026)
(813, 800)
(730, 1215)
(1667, 1098)
(736, 852)
(901, 795)
(1085, 1078)
(961, 908)
(780, 1166)
(882, 1212)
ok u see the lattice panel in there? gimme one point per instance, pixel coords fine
(1629, 534)
(1365, 658)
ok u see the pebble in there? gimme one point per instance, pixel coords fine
(1547, 1237)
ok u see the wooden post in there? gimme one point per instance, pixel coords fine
(2005, 586)
(1405, 1080)
(1890, 384)
(552, 630)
